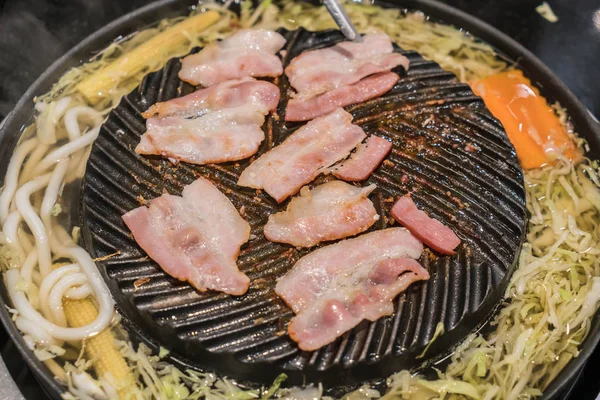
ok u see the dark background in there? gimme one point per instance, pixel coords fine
(34, 33)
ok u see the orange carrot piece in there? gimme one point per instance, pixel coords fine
(532, 126)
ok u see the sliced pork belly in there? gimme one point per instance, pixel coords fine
(226, 127)
(234, 93)
(249, 52)
(194, 238)
(431, 231)
(319, 71)
(304, 109)
(365, 294)
(225, 135)
(335, 287)
(364, 160)
(331, 211)
(312, 149)
(312, 274)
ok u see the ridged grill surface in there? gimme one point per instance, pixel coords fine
(448, 151)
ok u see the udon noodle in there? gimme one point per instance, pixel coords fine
(44, 240)
(549, 304)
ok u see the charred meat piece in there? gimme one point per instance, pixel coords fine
(361, 164)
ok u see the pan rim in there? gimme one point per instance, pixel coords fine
(21, 115)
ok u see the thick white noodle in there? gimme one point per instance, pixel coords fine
(26, 240)
(48, 119)
(29, 340)
(27, 311)
(10, 229)
(49, 282)
(79, 169)
(66, 150)
(105, 301)
(39, 165)
(52, 192)
(36, 226)
(72, 120)
(58, 292)
(32, 162)
(11, 179)
(59, 238)
(28, 266)
(80, 292)
(29, 328)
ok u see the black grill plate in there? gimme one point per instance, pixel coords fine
(449, 152)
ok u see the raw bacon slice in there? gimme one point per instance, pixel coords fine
(306, 153)
(364, 160)
(194, 238)
(249, 52)
(319, 71)
(333, 288)
(234, 93)
(431, 231)
(227, 126)
(331, 211)
(304, 109)
(364, 297)
(313, 273)
(225, 135)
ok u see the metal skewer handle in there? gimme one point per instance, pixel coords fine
(342, 20)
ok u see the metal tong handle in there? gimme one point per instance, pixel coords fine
(342, 20)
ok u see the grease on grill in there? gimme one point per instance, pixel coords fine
(434, 123)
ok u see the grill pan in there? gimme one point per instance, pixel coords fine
(550, 85)
(448, 151)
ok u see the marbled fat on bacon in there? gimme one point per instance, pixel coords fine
(333, 210)
(366, 294)
(304, 109)
(234, 93)
(195, 237)
(335, 287)
(226, 125)
(364, 160)
(431, 231)
(249, 52)
(225, 135)
(312, 149)
(319, 71)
